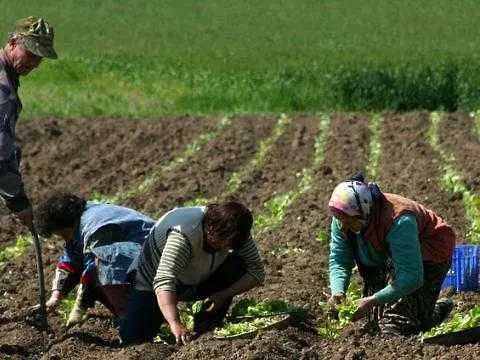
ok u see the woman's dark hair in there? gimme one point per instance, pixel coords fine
(59, 212)
(229, 222)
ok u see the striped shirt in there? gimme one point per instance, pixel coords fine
(173, 256)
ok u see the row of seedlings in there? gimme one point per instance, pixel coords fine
(453, 182)
(410, 166)
(298, 253)
(51, 252)
(258, 154)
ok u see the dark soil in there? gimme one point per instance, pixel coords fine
(101, 156)
(206, 174)
(458, 137)
(292, 152)
(110, 156)
(410, 167)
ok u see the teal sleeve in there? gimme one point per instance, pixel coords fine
(340, 261)
(404, 248)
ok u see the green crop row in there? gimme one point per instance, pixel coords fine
(456, 323)
(153, 177)
(475, 115)
(452, 181)
(22, 242)
(260, 156)
(277, 205)
(375, 147)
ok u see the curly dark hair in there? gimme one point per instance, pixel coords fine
(58, 212)
(228, 222)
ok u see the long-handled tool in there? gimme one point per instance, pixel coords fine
(41, 281)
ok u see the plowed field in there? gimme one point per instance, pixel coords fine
(155, 165)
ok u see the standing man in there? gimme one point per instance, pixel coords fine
(31, 41)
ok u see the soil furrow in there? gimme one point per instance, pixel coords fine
(302, 276)
(410, 167)
(112, 155)
(205, 174)
(291, 152)
(458, 137)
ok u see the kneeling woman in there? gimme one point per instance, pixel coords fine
(389, 236)
(192, 253)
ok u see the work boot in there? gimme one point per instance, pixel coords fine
(443, 308)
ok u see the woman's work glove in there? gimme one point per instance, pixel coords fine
(51, 304)
(76, 315)
(333, 302)
(54, 301)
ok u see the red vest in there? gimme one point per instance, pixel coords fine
(437, 238)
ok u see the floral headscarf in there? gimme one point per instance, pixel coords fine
(352, 197)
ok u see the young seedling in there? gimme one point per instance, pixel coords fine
(277, 206)
(457, 323)
(280, 252)
(345, 313)
(249, 316)
(249, 307)
(67, 305)
(375, 146)
(23, 241)
(322, 237)
(187, 317)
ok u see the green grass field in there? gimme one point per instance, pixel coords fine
(149, 58)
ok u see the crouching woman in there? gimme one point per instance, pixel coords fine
(192, 253)
(402, 250)
(101, 241)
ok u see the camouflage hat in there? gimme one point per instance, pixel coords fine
(36, 36)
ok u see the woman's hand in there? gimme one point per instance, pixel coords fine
(182, 336)
(364, 306)
(332, 303)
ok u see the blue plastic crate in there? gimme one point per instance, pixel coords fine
(464, 272)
